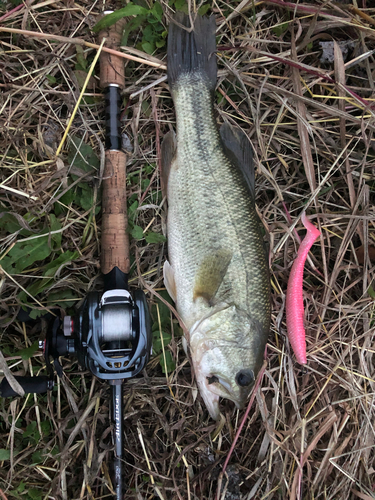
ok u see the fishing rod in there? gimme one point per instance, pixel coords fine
(111, 333)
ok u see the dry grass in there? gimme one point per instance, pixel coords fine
(310, 433)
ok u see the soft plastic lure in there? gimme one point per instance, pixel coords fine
(294, 296)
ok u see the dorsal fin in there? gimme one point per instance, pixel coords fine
(238, 149)
(168, 151)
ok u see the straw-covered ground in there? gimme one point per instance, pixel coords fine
(306, 103)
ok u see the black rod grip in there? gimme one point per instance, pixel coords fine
(30, 385)
(113, 138)
(115, 280)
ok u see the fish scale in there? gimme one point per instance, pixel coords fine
(217, 271)
(205, 209)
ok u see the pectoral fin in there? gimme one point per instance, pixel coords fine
(168, 151)
(238, 149)
(211, 273)
(169, 281)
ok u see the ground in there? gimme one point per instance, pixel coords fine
(306, 103)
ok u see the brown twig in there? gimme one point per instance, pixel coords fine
(2, 495)
(80, 41)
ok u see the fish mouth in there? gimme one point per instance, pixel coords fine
(221, 387)
(213, 387)
(220, 383)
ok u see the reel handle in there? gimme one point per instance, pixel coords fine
(37, 385)
(115, 239)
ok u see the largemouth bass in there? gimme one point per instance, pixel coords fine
(217, 271)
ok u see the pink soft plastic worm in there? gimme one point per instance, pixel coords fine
(294, 296)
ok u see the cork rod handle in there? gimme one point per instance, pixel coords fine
(115, 239)
(112, 71)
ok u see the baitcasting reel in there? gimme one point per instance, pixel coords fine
(110, 336)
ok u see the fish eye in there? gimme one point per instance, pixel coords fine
(245, 377)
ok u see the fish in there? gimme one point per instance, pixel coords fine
(217, 270)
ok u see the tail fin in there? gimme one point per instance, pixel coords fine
(193, 52)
